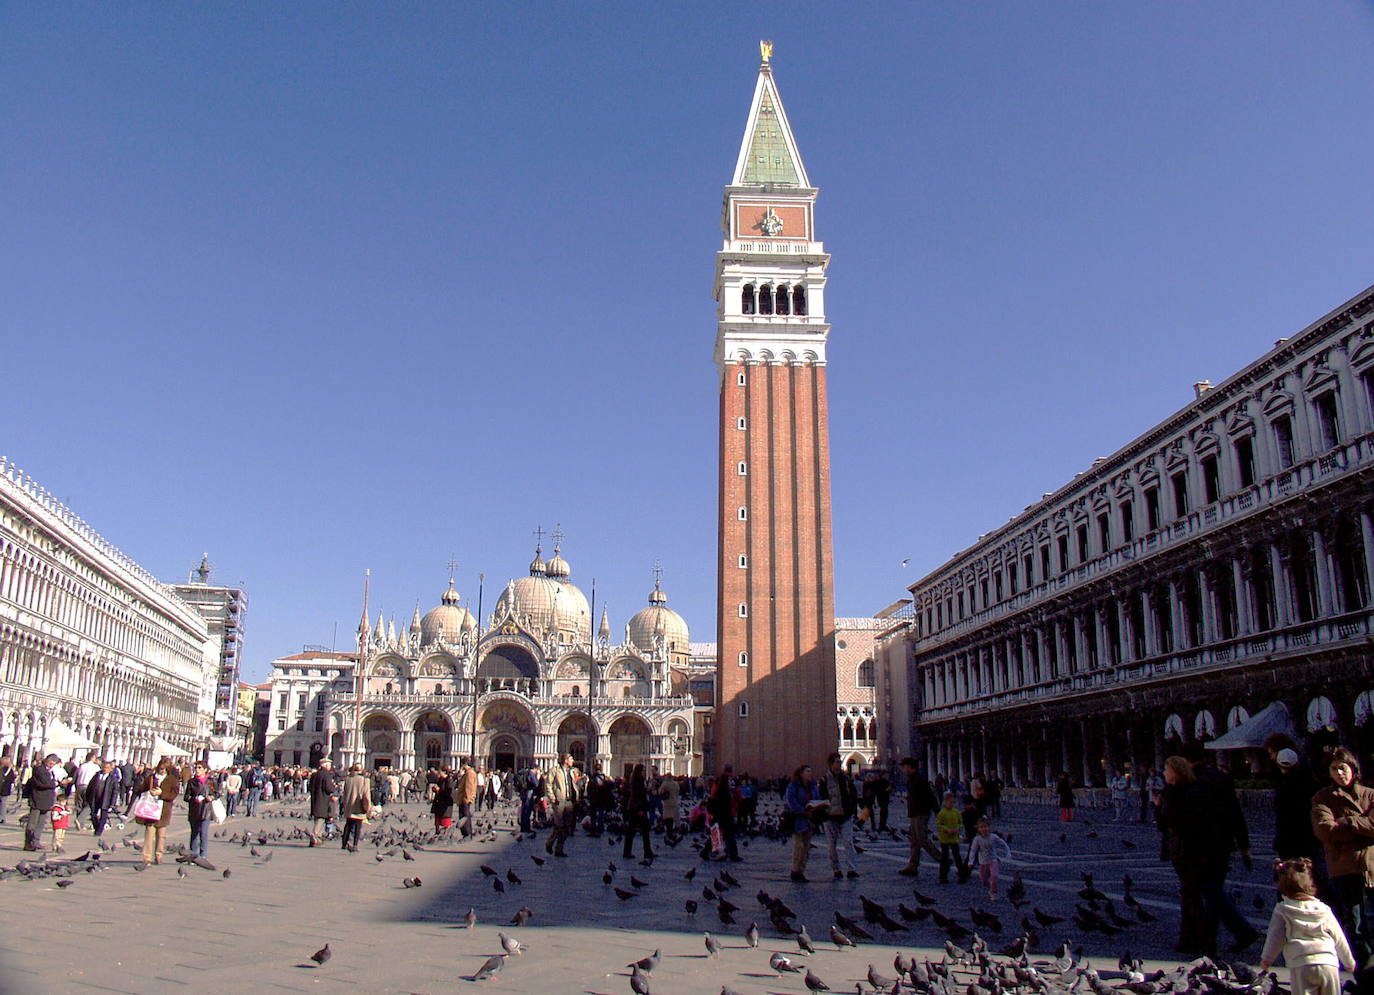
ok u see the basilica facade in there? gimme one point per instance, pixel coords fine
(531, 682)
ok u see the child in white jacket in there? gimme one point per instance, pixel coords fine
(1306, 932)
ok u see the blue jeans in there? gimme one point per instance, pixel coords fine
(254, 796)
(200, 836)
(1352, 908)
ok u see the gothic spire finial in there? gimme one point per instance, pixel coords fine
(765, 52)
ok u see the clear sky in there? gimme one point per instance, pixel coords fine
(316, 287)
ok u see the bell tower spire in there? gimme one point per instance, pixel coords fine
(775, 580)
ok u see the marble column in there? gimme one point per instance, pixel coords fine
(1240, 581)
(1326, 589)
(1175, 615)
(1367, 537)
(1283, 599)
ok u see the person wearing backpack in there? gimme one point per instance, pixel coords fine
(838, 789)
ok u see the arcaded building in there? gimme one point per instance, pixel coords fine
(1214, 566)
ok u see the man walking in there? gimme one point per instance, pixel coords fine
(42, 794)
(838, 789)
(563, 796)
(324, 799)
(921, 804)
(9, 777)
(233, 784)
(84, 773)
(253, 780)
(102, 795)
(465, 795)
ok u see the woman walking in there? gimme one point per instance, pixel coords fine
(164, 786)
(1064, 786)
(441, 807)
(1185, 818)
(635, 807)
(669, 792)
(200, 792)
(1343, 817)
(802, 792)
(355, 802)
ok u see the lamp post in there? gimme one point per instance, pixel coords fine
(477, 642)
(591, 670)
(358, 676)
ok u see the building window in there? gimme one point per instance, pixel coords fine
(746, 299)
(743, 658)
(281, 722)
(1011, 579)
(765, 300)
(319, 721)
(1027, 563)
(1211, 479)
(997, 586)
(1127, 522)
(741, 423)
(744, 709)
(296, 757)
(799, 300)
(1283, 440)
(864, 679)
(1245, 461)
(959, 605)
(300, 725)
(284, 700)
(740, 378)
(742, 469)
(1366, 378)
(276, 758)
(743, 561)
(1328, 420)
(1152, 508)
(300, 701)
(743, 609)
(1180, 482)
(782, 300)
(1082, 536)
(743, 514)
(1044, 563)
(1104, 531)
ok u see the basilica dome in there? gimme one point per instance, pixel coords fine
(548, 603)
(447, 622)
(657, 618)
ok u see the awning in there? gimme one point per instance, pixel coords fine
(1255, 730)
(61, 736)
(162, 748)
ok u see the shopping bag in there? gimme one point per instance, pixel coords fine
(218, 811)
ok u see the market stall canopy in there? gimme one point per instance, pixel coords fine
(63, 737)
(162, 748)
(1255, 730)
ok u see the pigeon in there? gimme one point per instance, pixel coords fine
(804, 941)
(497, 886)
(538, 860)
(490, 967)
(470, 919)
(624, 895)
(510, 945)
(607, 877)
(65, 883)
(877, 980)
(647, 964)
(781, 964)
(691, 906)
(406, 854)
(638, 883)
(723, 914)
(181, 872)
(1045, 919)
(225, 875)
(521, 917)
(322, 955)
(512, 877)
(487, 871)
(751, 935)
(639, 983)
(925, 900)
(839, 939)
(712, 947)
(814, 983)
(407, 883)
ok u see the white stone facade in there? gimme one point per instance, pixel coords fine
(1216, 564)
(88, 637)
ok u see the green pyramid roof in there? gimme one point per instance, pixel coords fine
(769, 160)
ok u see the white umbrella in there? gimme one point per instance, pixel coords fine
(62, 737)
(162, 748)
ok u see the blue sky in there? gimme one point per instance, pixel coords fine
(316, 287)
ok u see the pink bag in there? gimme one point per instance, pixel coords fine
(148, 806)
(717, 840)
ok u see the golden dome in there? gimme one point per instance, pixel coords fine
(658, 619)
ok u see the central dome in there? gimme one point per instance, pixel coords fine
(549, 604)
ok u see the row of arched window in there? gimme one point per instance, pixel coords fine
(768, 299)
(858, 730)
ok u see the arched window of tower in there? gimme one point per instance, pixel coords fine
(746, 301)
(766, 299)
(783, 301)
(799, 300)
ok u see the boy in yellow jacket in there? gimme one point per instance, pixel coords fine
(949, 826)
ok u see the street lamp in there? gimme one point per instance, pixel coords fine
(476, 644)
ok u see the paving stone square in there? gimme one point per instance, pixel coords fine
(153, 931)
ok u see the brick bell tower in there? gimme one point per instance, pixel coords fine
(775, 680)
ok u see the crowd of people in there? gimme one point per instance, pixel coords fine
(1323, 821)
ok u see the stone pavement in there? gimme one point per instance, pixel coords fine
(122, 931)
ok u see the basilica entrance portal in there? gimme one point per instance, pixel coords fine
(506, 735)
(505, 752)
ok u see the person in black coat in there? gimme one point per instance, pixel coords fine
(324, 799)
(635, 802)
(9, 780)
(921, 804)
(41, 789)
(102, 796)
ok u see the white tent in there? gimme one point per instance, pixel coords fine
(62, 738)
(1255, 730)
(162, 748)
